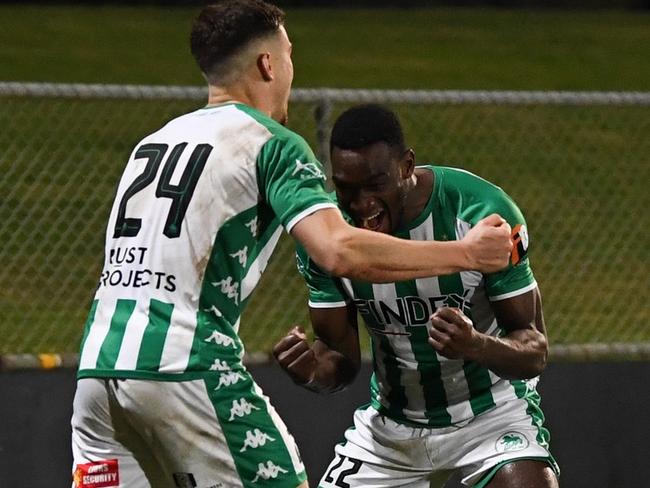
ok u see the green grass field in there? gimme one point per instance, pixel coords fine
(580, 174)
(441, 48)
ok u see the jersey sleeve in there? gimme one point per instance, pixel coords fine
(517, 278)
(291, 179)
(325, 291)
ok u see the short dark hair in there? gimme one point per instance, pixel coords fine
(367, 124)
(223, 28)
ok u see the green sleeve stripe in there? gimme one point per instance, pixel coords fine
(153, 340)
(113, 340)
(514, 293)
(306, 212)
(313, 304)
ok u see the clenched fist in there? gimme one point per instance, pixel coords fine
(488, 244)
(294, 353)
(452, 334)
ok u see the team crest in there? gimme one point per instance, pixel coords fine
(511, 441)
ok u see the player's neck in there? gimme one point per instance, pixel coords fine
(418, 197)
(239, 93)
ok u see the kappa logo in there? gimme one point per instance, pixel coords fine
(220, 339)
(229, 379)
(241, 255)
(219, 366)
(214, 310)
(252, 226)
(255, 438)
(308, 170)
(98, 474)
(229, 288)
(268, 471)
(511, 441)
(241, 409)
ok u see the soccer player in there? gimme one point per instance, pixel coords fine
(163, 398)
(455, 358)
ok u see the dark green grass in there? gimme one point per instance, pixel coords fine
(440, 48)
(579, 174)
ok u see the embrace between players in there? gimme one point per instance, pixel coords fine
(424, 254)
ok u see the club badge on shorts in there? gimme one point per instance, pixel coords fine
(511, 441)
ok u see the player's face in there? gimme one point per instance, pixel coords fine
(371, 185)
(283, 76)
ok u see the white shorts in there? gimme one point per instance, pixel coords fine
(381, 453)
(206, 433)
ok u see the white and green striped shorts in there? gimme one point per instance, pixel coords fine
(381, 452)
(215, 432)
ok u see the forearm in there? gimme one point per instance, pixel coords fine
(521, 354)
(333, 370)
(380, 258)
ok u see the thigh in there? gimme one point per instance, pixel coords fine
(219, 431)
(511, 433)
(528, 473)
(100, 459)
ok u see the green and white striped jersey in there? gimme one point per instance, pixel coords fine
(411, 383)
(197, 214)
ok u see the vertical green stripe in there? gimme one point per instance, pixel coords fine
(396, 396)
(113, 341)
(89, 322)
(433, 389)
(479, 384)
(153, 340)
(234, 386)
(478, 378)
(533, 409)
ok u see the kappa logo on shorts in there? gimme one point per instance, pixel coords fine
(255, 438)
(268, 471)
(98, 474)
(511, 441)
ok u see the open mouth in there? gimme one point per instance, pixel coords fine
(372, 222)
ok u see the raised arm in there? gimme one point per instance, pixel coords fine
(520, 354)
(343, 250)
(332, 361)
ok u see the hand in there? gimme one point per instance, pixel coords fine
(452, 334)
(294, 354)
(488, 244)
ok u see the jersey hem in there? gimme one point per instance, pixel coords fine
(514, 293)
(308, 211)
(141, 375)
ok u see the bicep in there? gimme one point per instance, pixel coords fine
(316, 233)
(520, 312)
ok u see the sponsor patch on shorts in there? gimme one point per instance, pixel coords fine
(98, 474)
(184, 480)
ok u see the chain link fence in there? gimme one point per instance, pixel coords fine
(577, 163)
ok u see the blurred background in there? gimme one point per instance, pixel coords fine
(548, 99)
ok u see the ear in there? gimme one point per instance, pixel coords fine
(407, 164)
(264, 66)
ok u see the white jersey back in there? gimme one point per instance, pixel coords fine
(195, 219)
